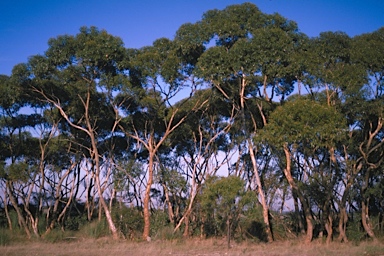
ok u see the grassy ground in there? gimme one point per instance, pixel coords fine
(106, 246)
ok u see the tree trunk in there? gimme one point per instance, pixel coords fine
(171, 215)
(329, 229)
(366, 221)
(309, 221)
(146, 213)
(186, 227)
(261, 193)
(300, 223)
(343, 219)
(6, 211)
(228, 232)
(295, 189)
(108, 216)
(96, 157)
(20, 216)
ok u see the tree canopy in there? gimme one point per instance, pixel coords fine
(240, 126)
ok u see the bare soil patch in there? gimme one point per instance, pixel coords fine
(106, 246)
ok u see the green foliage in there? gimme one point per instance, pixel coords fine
(5, 236)
(89, 84)
(304, 122)
(161, 227)
(355, 231)
(251, 223)
(95, 229)
(129, 221)
(220, 202)
(9, 237)
(57, 235)
(18, 171)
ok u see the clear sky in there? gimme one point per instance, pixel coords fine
(26, 25)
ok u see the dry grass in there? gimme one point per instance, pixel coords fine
(105, 246)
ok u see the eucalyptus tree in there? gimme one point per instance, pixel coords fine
(365, 110)
(368, 52)
(332, 67)
(254, 56)
(164, 72)
(19, 152)
(349, 72)
(78, 76)
(302, 128)
(28, 135)
(201, 145)
(334, 76)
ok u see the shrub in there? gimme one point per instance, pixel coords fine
(128, 220)
(95, 229)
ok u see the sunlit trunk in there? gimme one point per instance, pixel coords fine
(343, 219)
(146, 213)
(366, 221)
(261, 193)
(304, 204)
(329, 229)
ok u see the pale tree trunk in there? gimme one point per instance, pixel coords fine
(6, 210)
(328, 228)
(304, 204)
(261, 193)
(171, 215)
(34, 220)
(366, 221)
(102, 202)
(349, 181)
(91, 130)
(108, 216)
(96, 157)
(343, 219)
(186, 228)
(195, 186)
(309, 221)
(146, 213)
(265, 88)
(20, 216)
(54, 218)
(89, 200)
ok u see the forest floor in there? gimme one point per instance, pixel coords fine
(106, 246)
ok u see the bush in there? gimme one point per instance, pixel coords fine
(95, 229)
(160, 226)
(75, 223)
(5, 237)
(355, 231)
(129, 221)
(8, 237)
(57, 235)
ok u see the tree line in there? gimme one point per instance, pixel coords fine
(239, 126)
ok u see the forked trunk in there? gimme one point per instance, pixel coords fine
(343, 219)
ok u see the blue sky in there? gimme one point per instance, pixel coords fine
(26, 25)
